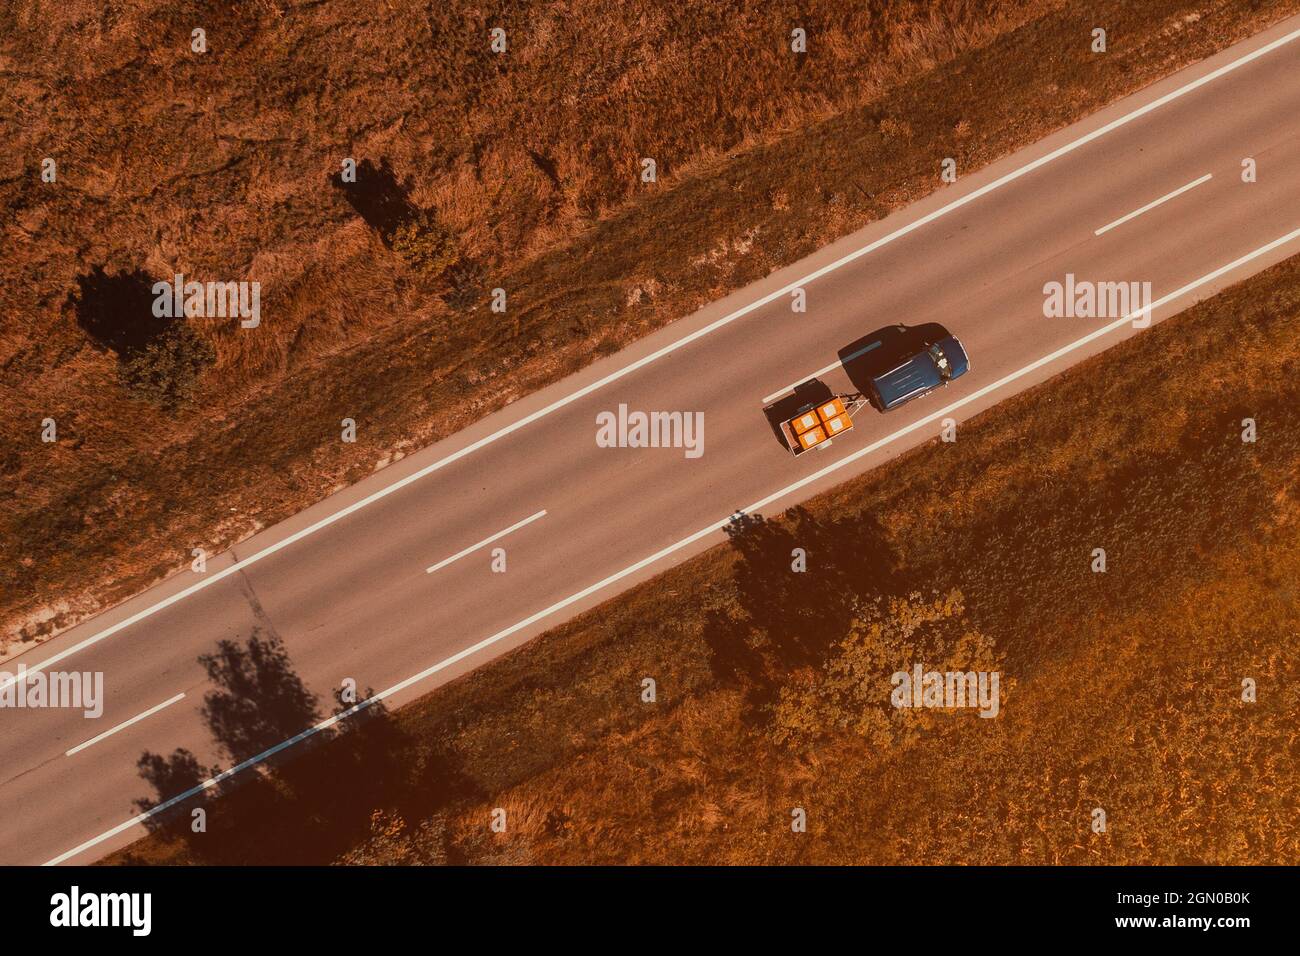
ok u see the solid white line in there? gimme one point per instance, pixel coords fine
(122, 726)
(672, 347)
(485, 542)
(685, 542)
(1152, 205)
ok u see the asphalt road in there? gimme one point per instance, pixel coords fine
(351, 597)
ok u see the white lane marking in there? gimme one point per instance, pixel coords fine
(807, 378)
(671, 347)
(1152, 205)
(123, 725)
(685, 542)
(822, 371)
(485, 542)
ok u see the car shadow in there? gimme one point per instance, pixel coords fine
(877, 352)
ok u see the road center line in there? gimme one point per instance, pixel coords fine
(122, 726)
(672, 548)
(822, 371)
(485, 542)
(1152, 205)
(807, 378)
(631, 367)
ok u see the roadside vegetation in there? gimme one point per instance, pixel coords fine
(1123, 691)
(475, 171)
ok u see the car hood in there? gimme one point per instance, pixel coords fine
(957, 360)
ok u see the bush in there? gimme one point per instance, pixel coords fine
(427, 246)
(850, 692)
(393, 842)
(166, 370)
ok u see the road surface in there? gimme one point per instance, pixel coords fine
(1121, 196)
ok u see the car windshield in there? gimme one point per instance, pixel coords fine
(940, 360)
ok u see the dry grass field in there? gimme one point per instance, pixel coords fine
(1122, 691)
(476, 170)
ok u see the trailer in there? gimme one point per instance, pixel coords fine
(817, 424)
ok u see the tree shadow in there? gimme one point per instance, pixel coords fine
(258, 700)
(384, 203)
(785, 618)
(305, 804)
(116, 311)
(378, 198)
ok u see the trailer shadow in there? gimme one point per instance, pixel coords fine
(806, 395)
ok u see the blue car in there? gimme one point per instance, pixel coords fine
(914, 376)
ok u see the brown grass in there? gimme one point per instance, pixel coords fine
(218, 166)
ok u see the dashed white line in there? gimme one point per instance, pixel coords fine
(628, 369)
(485, 542)
(685, 542)
(1152, 205)
(821, 371)
(123, 725)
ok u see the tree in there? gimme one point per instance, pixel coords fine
(167, 369)
(427, 246)
(851, 692)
